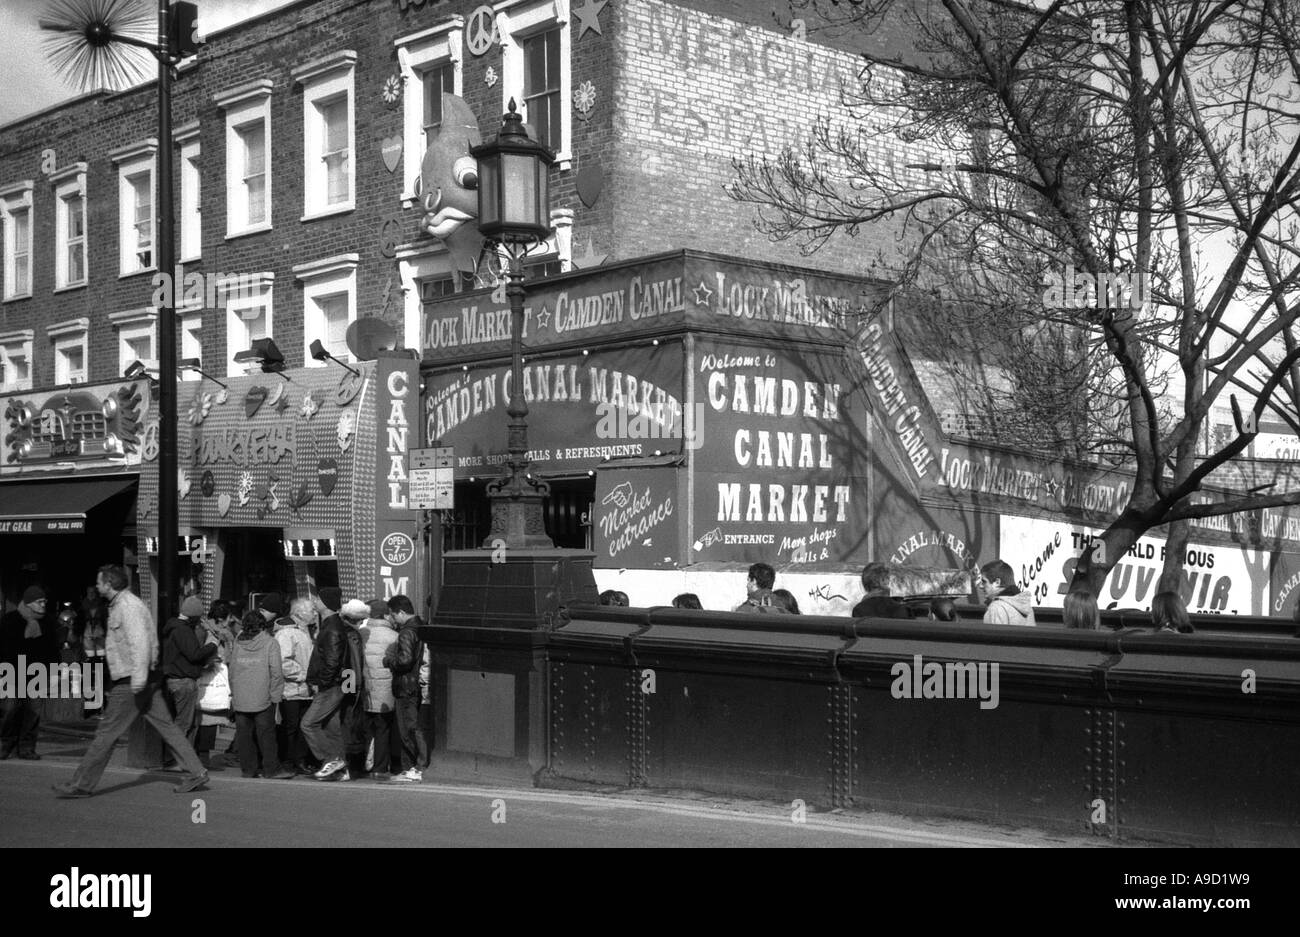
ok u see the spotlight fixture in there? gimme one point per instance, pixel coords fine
(266, 353)
(193, 364)
(319, 352)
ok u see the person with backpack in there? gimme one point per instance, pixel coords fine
(759, 586)
(404, 658)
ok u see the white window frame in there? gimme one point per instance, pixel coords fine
(325, 80)
(251, 291)
(69, 182)
(19, 341)
(131, 162)
(329, 276)
(132, 324)
(65, 336)
(13, 199)
(188, 320)
(417, 53)
(517, 20)
(189, 233)
(244, 105)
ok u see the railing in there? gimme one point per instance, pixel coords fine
(1126, 733)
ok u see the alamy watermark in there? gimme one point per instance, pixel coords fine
(34, 680)
(206, 290)
(1106, 290)
(954, 680)
(658, 420)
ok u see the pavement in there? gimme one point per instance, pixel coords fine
(136, 807)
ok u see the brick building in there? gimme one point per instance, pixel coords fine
(299, 140)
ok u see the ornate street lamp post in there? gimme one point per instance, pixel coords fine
(514, 212)
(91, 47)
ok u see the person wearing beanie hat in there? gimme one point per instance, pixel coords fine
(271, 605)
(184, 657)
(22, 634)
(378, 608)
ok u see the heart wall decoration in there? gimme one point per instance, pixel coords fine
(589, 183)
(254, 399)
(327, 475)
(391, 150)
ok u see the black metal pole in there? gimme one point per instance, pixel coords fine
(168, 523)
(517, 410)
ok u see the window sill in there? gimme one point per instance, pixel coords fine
(135, 273)
(329, 212)
(72, 286)
(15, 388)
(193, 258)
(244, 232)
(16, 297)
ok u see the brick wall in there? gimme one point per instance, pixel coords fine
(680, 89)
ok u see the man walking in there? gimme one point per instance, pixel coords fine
(135, 690)
(322, 725)
(23, 635)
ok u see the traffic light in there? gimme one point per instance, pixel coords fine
(183, 30)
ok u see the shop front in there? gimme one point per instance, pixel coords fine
(69, 467)
(698, 413)
(293, 481)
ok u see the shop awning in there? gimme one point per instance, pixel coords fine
(54, 507)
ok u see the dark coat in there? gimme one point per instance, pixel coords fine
(183, 654)
(404, 658)
(881, 606)
(329, 658)
(39, 650)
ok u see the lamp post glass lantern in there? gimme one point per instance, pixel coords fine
(514, 212)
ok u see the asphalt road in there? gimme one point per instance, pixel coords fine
(133, 808)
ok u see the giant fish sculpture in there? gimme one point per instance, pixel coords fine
(449, 185)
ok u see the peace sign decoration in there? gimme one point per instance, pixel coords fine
(481, 30)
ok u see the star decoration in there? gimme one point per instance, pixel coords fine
(589, 259)
(309, 406)
(1051, 486)
(703, 291)
(589, 16)
(544, 318)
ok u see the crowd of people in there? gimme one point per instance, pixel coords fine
(993, 587)
(322, 687)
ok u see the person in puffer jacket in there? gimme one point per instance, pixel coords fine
(295, 657)
(379, 636)
(256, 686)
(1008, 605)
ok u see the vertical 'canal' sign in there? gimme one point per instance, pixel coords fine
(397, 571)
